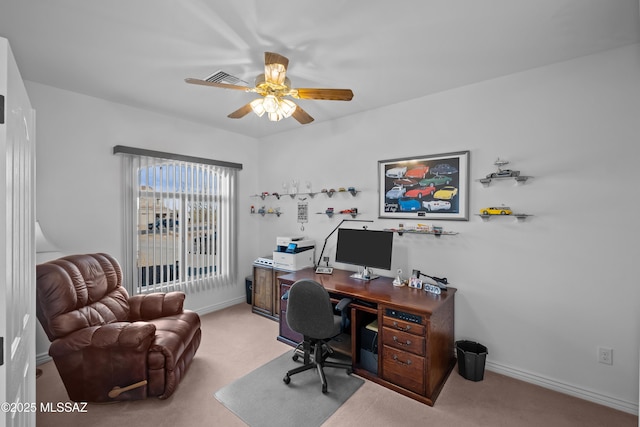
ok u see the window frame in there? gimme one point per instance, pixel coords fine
(189, 272)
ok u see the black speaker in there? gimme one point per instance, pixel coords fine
(369, 340)
(369, 350)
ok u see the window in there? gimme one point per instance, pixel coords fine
(179, 222)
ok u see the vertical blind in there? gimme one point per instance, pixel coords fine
(179, 222)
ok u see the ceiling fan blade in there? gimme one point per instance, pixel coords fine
(222, 85)
(326, 94)
(275, 67)
(301, 116)
(241, 112)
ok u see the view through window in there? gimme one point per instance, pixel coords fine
(179, 221)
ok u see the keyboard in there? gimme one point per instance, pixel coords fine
(324, 270)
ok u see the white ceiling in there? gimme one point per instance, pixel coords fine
(138, 52)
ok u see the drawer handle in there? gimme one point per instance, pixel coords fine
(395, 338)
(407, 363)
(397, 326)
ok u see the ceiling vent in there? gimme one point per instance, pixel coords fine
(222, 77)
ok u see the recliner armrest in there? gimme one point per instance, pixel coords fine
(136, 336)
(155, 305)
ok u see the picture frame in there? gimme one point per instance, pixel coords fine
(425, 187)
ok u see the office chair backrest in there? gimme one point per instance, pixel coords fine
(309, 310)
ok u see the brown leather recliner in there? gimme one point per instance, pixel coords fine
(107, 345)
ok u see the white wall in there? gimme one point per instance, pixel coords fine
(542, 294)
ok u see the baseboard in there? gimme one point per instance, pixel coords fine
(42, 358)
(581, 393)
(219, 306)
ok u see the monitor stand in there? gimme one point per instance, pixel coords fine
(364, 275)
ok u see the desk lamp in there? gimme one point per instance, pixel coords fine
(333, 231)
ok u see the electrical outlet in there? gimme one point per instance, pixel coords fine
(605, 355)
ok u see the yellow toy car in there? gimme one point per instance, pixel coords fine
(502, 210)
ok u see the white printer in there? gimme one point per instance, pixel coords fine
(294, 253)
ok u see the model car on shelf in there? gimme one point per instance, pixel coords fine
(436, 205)
(420, 192)
(407, 204)
(446, 193)
(443, 169)
(349, 211)
(504, 173)
(435, 180)
(396, 192)
(502, 210)
(419, 172)
(396, 172)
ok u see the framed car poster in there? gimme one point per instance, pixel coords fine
(425, 187)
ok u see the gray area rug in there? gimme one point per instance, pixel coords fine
(262, 399)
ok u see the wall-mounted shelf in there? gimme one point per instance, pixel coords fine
(519, 216)
(402, 231)
(330, 193)
(503, 174)
(519, 179)
(330, 213)
(270, 211)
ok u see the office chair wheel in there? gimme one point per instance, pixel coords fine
(286, 379)
(349, 371)
(295, 357)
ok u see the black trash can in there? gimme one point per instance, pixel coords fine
(248, 282)
(471, 359)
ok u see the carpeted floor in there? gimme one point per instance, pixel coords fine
(236, 342)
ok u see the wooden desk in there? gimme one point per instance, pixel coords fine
(415, 330)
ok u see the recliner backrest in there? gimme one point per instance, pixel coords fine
(80, 291)
(309, 310)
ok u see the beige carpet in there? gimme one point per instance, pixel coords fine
(235, 342)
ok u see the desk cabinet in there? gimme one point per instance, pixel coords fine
(265, 294)
(262, 298)
(403, 354)
(415, 332)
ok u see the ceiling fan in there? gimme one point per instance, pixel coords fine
(274, 86)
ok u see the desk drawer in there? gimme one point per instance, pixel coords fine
(403, 369)
(403, 341)
(403, 326)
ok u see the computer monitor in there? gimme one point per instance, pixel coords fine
(366, 248)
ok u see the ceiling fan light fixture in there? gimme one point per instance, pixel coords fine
(287, 107)
(270, 104)
(275, 117)
(257, 106)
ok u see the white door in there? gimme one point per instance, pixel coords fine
(17, 247)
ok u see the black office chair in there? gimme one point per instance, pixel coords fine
(310, 313)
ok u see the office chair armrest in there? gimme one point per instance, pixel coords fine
(344, 303)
